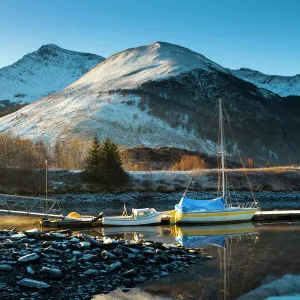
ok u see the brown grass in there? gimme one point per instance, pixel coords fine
(189, 162)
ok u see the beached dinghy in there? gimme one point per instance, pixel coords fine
(145, 216)
(73, 219)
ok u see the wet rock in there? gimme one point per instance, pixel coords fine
(92, 272)
(17, 236)
(118, 251)
(6, 268)
(125, 290)
(89, 257)
(77, 253)
(132, 250)
(74, 240)
(91, 240)
(57, 235)
(28, 258)
(107, 241)
(54, 273)
(11, 244)
(29, 270)
(129, 274)
(84, 245)
(108, 255)
(32, 232)
(114, 266)
(30, 283)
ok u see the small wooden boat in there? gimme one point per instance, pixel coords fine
(73, 219)
(145, 216)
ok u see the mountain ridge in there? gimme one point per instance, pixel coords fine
(162, 95)
(281, 85)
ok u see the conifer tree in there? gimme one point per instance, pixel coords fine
(93, 160)
(112, 170)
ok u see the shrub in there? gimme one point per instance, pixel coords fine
(189, 162)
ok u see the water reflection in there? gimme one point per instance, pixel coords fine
(211, 280)
(261, 261)
(217, 235)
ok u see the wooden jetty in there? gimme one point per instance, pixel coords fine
(276, 215)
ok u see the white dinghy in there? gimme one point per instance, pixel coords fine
(145, 216)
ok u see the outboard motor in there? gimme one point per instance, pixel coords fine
(101, 215)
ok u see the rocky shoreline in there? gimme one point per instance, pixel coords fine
(62, 265)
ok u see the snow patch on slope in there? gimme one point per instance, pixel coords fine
(86, 114)
(281, 85)
(47, 70)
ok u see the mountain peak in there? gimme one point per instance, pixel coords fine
(134, 66)
(46, 70)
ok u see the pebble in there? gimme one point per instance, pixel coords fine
(33, 283)
(6, 268)
(28, 258)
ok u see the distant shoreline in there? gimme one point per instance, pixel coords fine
(275, 179)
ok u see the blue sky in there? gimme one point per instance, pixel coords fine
(259, 34)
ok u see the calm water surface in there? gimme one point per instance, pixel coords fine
(249, 261)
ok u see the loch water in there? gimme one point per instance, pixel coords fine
(249, 261)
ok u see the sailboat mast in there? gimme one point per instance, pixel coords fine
(222, 147)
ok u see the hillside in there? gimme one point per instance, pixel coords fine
(164, 95)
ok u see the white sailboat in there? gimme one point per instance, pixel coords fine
(216, 210)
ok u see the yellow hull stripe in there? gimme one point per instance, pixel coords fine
(215, 232)
(222, 214)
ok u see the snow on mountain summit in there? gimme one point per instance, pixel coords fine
(44, 71)
(281, 85)
(134, 66)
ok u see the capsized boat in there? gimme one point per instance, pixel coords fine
(145, 216)
(218, 210)
(73, 219)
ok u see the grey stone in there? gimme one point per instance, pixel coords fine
(28, 258)
(33, 283)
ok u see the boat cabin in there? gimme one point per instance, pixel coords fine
(142, 213)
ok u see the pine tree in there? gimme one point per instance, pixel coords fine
(112, 170)
(93, 161)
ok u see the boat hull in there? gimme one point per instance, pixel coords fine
(67, 224)
(129, 221)
(226, 216)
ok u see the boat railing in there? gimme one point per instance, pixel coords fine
(246, 205)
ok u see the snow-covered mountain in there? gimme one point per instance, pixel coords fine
(162, 95)
(42, 72)
(281, 85)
